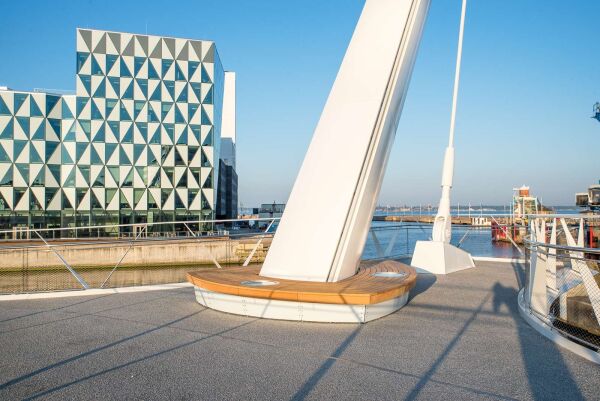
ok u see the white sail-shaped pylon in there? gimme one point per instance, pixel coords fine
(327, 218)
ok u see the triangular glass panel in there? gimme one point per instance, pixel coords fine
(164, 195)
(205, 77)
(39, 181)
(155, 181)
(51, 101)
(183, 138)
(4, 111)
(4, 156)
(86, 81)
(9, 130)
(208, 99)
(128, 94)
(138, 63)
(70, 180)
(18, 194)
(82, 101)
(192, 150)
(128, 137)
(179, 161)
(85, 172)
(94, 201)
(124, 70)
(19, 100)
(178, 201)
(152, 203)
(143, 173)
(50, 148)
(99, 181)
(128, 181)
(110, 195)
(7, 180)
(66, 203)
(100, 136)
(96, 70)
(170, 85)
(137, 195)
(18, 147)
(115, 172)
(50, 194)
(178, 73)
(115, 82)
(124, 115)
(156, 95)
(208, 141)
(192, 67)
(178, 116)
(204, 162)
(34, 156)
(55, 171)
(96, 115)
(94, 156)
(183, 181)
(152, 74)
(101, 89)
(34, 109)
(124, 157)
(110, 61)
(109, 150)
(208, 183)
(40, 132)
(110, 105)
(81, 59)
(165, 66)
(34, 203)
(137, 151)
(204, 119)
(24, 124)
(183, 96)
(191, 196)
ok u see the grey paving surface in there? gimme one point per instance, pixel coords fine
(460, 337)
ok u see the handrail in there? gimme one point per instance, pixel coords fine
(528, 241)
(158, 223)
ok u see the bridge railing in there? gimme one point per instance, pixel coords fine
(563, 272)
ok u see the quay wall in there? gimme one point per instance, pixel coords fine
(133, 254)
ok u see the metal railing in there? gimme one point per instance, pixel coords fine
(563, 272)
(163, 252)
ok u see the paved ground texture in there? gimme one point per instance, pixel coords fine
(459, 338)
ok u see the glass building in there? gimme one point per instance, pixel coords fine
(138, 142)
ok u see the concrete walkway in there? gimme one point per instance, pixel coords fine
(460, 337)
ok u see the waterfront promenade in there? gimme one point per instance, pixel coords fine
(460, 337)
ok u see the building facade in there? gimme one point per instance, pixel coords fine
(138, 142)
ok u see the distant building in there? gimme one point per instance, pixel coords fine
(227, 197)
(271, 210)
(139, 141)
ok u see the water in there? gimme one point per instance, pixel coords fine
(475, 240)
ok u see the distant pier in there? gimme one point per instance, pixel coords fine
(428, 219)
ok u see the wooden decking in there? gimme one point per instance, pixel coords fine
(360, 289)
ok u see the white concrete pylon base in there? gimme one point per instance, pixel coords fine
(440, 258)
(298, 311)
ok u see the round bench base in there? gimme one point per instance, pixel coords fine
(375, 291)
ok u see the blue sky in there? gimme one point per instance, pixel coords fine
(531, 72)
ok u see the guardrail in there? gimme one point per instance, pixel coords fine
(163, 252)
(561, 283)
